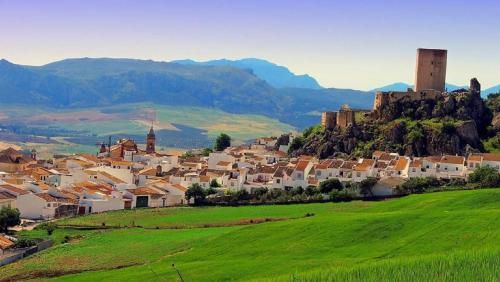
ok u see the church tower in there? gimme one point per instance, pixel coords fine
(150, 141)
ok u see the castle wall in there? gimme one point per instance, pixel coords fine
(430, 72)
(345, 118)
(329, 120)
(385, 98)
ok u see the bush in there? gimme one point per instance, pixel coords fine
(328, 185)
(259, 192)
(25, 243)
(241, 195)
(50, 227)
(296, 144)
(485, 176)
(297, 191)
(211, 191)
(419, 184)
(214, 183)
(311, 191)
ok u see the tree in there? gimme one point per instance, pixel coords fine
(366, 186)
(9, 217)
(214, 183)
(222, 142)
(328, 185)
(206, 152)
(197, 193)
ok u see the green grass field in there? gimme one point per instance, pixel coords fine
(446, 236)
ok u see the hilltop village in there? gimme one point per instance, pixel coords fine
(127, 175)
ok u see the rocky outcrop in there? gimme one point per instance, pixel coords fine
(453, 123)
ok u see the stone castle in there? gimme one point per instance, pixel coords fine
(430, 78)
(343, 118)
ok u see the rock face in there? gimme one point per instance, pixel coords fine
(453, 123)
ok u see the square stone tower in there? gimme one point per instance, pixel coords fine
(430, 72)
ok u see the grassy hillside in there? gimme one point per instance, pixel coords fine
(445, 236)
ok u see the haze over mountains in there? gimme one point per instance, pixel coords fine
(90, 82)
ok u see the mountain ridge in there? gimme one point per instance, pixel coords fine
(274, 74)
(88, 82)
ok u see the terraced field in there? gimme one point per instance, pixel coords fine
(446, 236)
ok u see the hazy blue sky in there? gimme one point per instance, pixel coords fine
(354, 44)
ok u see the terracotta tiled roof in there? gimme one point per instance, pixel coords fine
(475, 158)
(364, 165)
(13, 190)
(452, 159)
(401, 164)
(348, 165)
(301, 165)
(113, 178)
(179, 187)
(144, 191)
(492, 157)
(416, 163)
(5, 243)
(49, 198)
(148, 171)
(433, 159)
(5, 196)
(223, 163)
(204, 178)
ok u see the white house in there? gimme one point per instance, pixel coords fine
(45, 206)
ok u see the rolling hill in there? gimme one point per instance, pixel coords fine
(444, 236)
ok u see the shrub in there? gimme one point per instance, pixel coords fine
(25, 243)
(419, 184)
(211, 191)
(328, 185)
(50, 227)
(297, 191)
(311, 191)
(214, 183)
(485, 176)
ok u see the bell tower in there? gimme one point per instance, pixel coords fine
(150, 141)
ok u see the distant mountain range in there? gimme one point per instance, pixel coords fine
(88, 82)
(401, 86)
(277, 76)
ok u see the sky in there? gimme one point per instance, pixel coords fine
(344, 44)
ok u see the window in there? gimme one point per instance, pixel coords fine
(456, 168)
(358, 174)
(48, 205)
(278, 181)
(318, 173)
